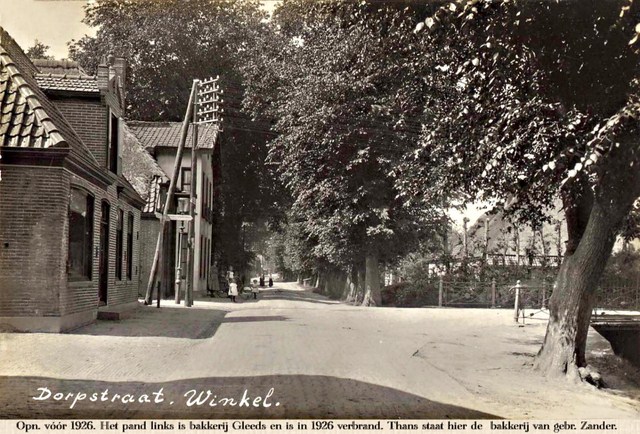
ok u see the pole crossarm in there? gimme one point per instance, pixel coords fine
(209, 101)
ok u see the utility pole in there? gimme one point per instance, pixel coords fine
(172, 187)
(179, 265)
(207, 101)
(205, 95)
(193, 197)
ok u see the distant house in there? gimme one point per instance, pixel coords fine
(161, 140)
(69, 219)
(507, 243)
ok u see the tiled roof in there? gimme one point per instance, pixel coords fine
(23, 124)
(138, 167)
(64, 82)
(167, 134)
(21, 97)
(64, 75)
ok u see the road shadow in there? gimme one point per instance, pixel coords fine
(171, 322)
(255, 318)
(526, 341)
(304, 296)
(293, 396)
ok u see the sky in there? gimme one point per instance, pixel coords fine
(52, 22)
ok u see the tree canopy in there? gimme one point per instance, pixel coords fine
(168, 44)
(329, 76)
(38, 50)
(534, 110)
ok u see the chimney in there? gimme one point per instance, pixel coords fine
(103, 75)
(120, 68)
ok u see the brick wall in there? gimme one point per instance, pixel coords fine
(89, 117)
(125, 290)
(84, 295)
(33, 253)
(149, 229)
(166, 273)
(34, 236)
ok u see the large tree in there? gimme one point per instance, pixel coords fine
(525, 107)
(168, 44)
(328, 76)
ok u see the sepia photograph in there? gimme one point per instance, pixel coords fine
(341, 215)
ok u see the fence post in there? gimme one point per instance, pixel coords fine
(440, 290)
(493, 292)
(517, 302)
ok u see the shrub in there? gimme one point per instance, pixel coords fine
(410, 294)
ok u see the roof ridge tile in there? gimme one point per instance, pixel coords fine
(66, 75)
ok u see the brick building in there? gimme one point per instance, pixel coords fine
(69, 220)
(161, 140)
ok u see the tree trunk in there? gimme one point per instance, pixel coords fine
(588, 250)
(322, 281)
(331, 282)
(570, 305)
(516, 239)
(485, 253)
(359, 287)
(372, 292)
(340, 281)
(351, 288)
(559, 251)
(578, 204)
(335, 287)
(215, 283)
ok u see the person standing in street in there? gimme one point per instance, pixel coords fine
(270, 282)
(233, 289)
(254, 290)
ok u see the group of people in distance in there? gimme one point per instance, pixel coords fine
(254, 287)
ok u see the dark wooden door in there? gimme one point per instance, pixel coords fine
(104, 253)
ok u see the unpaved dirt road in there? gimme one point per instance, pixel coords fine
(294, 354)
